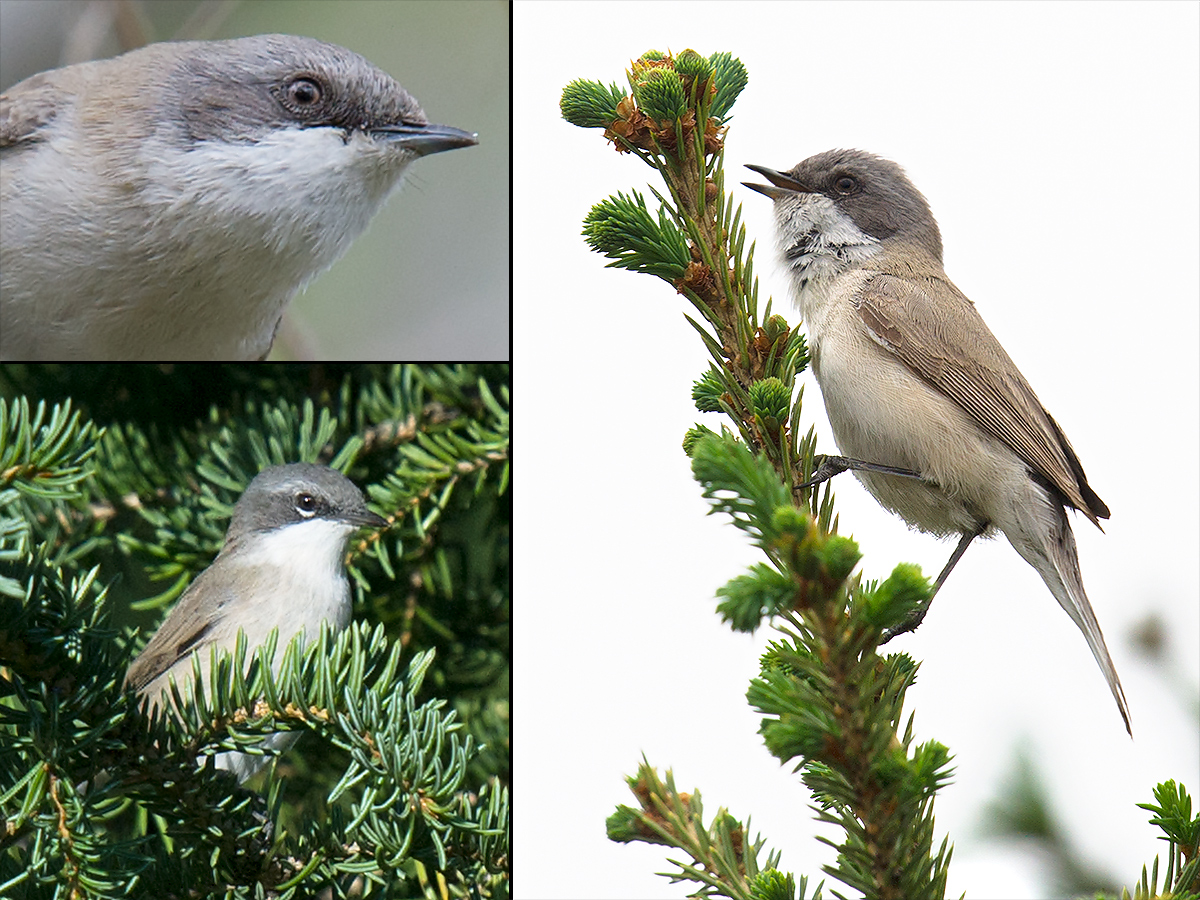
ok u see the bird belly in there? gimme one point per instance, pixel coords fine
(882, 412)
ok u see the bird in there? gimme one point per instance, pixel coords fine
(282, 566)
(933, 416)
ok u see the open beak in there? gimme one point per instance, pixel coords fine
(782, 184)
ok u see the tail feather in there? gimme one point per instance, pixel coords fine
(1056, 559)
(1071, 596)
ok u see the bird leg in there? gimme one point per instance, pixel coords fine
(918, 615)
(835, 465)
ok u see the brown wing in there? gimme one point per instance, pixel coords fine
(923, 320)
(184, 630)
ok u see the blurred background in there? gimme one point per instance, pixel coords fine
(430, 277)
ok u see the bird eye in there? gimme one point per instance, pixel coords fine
(306, 504)
(845, 184)
(304, 92)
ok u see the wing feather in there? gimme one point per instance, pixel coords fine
(922, 321)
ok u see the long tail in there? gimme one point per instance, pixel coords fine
(1057, 561)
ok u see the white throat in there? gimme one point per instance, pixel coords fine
(818, 242)
(308, 559)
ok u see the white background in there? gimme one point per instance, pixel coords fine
(1057, 145)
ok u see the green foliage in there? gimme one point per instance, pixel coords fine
(747, 488)
(401, 788)
(697, 242)
(730, 78)
(660, 93)
(44, 456)
(740, 484)
(771, 401)
(828, 699)
(747, 599)
(691, 65)
(707, 390)
(891, 602)
(590, 104)
(1172, 813)
(693, 436)
(623, 230)
(726, 861)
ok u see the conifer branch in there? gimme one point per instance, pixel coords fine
(829, 700)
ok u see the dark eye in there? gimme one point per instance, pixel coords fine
(845, 184)
(303, 93)
(306, 504)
